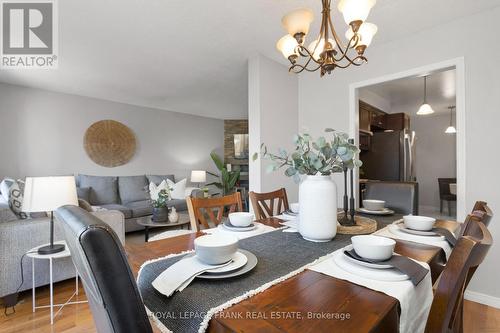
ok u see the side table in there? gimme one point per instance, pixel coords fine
(33, 254)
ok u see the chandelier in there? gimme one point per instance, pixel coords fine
(328, 51)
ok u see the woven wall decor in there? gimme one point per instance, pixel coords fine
(109, 143)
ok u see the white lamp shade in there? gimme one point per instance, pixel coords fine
(366, 32)
(425, 109)
(355, 10)
(198, 176)
(298, 21)
(286, 45)
(320, 47)
(45, 194)
(450, 130)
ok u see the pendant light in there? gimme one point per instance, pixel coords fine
(425, 108)
(451, 129)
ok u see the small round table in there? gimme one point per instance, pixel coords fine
(33, 254)
(147, 222)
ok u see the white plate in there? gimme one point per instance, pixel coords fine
(417, 232)
(251, 263)
(239, 260)
(396, 230)
(390, 274)
(362, 263)
(226, 226)
(385, 211)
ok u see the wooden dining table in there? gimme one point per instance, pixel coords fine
(309, 301)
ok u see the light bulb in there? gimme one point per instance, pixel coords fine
(298, 21)
(320, 48)
(366, 32)
(425, 109)
(286, 45)
(450, 130)
(355, 10)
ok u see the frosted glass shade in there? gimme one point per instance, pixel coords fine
(320, 47)
(425, 109)
(298, 21)
(198, 176)
(46, 194)
(450, 130)
(355, 10)
(366, 32)
(286, 45)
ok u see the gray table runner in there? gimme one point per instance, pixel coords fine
(278, 253)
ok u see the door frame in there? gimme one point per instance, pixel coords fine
(459, 65)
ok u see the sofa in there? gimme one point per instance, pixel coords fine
(19, 236)
(127, 194)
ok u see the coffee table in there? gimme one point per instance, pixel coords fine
(147, 222)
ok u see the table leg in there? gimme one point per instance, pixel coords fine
(51, 294)
(33, 281)
(146, 234)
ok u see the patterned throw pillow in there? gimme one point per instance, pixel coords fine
(16, 199)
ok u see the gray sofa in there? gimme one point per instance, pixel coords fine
(19, 236)
(127, 194)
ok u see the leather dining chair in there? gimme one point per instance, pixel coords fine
(447, 307)
(402, 197)
(210, 212)
(264, 203)
(445, 194)
(102, 265)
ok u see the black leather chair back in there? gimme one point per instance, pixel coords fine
(402, 197)
(106, 276)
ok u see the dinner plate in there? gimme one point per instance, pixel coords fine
(239, 260)
(228, 226)
(416, 232)
(385, 211)
(250, 264)
(390, 274)
(364, 263)
(396, 230)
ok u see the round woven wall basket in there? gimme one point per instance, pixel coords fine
(109, 143)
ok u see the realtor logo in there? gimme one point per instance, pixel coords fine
(29, 34)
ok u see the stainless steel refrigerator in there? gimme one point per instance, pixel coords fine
(391, 156)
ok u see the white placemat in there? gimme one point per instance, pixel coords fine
(415, 301)
(261, 228)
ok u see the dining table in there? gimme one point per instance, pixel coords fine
(309, 301)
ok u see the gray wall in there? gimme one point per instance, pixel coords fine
(41, 133)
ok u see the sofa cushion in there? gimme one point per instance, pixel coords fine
(157, 179)
(140, 208)
(83, 193)
(127, 212)
(132, 188)
(5, 188)
(179, 204)
(103, 190)
(6, 214)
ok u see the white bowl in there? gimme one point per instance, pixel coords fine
(374, 204)
(294, 207)
(373, 247)
(215, 249)
(422, 223)
(241, 219)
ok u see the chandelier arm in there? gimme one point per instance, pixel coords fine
(352, 62)
(339, 43)
(307, 54)
(302, 68)
(343, 54)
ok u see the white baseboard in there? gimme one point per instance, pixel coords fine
(482, 298)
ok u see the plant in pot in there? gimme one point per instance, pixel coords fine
(159, 202)
(227, 179)
(311, 164)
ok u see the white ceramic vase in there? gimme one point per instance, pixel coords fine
(318, 208)
(173, 216)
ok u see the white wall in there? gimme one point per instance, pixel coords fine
(272, 119)
(325, 102)
(41, 133)
(375, 100)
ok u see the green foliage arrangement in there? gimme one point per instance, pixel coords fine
(227, 179)
(161, 201)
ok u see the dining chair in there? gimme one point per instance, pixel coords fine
(263, 204)
(446, 312)
(402, 197)
(482, 206)
(102, 265)
(445, 194)
(207, 211)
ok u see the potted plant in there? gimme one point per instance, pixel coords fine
(315, 161)
(227, 179)
(160, 209)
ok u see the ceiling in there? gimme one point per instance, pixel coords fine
(408, 93)
(191, 56)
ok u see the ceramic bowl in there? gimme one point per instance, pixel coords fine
(241, 219)
(215, 249)
(422, 223)
(374, 204)
(373, 247)
(294, 207)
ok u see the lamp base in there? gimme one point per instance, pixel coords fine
(49, 249)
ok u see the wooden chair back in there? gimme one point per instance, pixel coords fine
(469, 253)
(205, 210)
(482, 206)
(264, 203)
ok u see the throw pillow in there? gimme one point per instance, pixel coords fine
(5, 188)
(83, 193)
(154, 189)
(16, 199)
(83, 204)
(178, 189)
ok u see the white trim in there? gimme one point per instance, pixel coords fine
(459, 65)
(482, 298)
